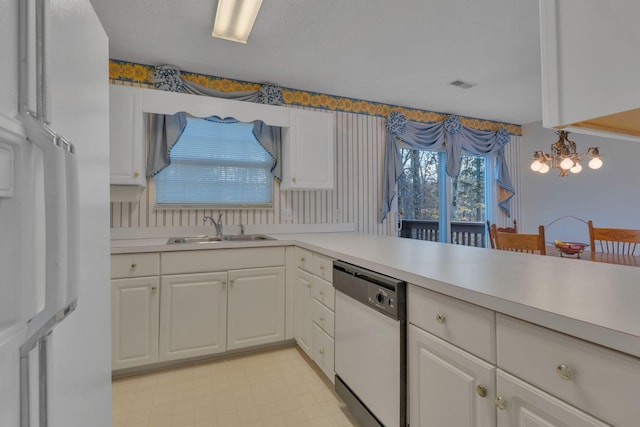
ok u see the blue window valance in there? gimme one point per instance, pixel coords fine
(166, 129)
(430, 136)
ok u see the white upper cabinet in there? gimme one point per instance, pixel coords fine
(590, 67)
(127, 134)
(307, 151)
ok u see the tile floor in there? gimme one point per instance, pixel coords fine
(272, 388)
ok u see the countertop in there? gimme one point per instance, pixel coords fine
(593, 301)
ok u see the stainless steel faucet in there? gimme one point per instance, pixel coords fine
(216, 224)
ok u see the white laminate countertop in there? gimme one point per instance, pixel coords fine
(594, 301)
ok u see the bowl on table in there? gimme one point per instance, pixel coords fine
(570, 248)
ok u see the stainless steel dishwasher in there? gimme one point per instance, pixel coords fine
(370, 345)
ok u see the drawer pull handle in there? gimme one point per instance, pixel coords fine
(501, 403)
(134, 265)
(440, 318)
(481, 390)
(565, 372)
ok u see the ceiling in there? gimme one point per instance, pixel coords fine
(403, 52)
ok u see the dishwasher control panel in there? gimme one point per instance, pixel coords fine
(382, 298)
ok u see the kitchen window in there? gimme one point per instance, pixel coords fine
(437, 207)
(216, 164)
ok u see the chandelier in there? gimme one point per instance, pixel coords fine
(564, 156)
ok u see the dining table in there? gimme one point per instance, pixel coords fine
(606, 257)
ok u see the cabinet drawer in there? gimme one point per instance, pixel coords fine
(135, 265)
(598, 380)
(304, 259)
(323, 351)
(323, 317)
(185, 262)
(323, 267)
(323, 291)
(466, 325)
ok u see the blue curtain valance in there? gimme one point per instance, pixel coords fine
(167, 129)
(430, 136)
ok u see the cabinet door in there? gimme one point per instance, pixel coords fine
(447, 385)
(523, 405)
(134, 321)
(193, 315)
(256, 307)
(127, 136)
(303, 310)
(308, 151)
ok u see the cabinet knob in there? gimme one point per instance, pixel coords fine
(481, 390)
(322, 351)
(154, 288)
(231, 282)
(136, 174)
(321, 318)
(134, 265)
(293, 180)
(501, 403)
(565, 372)
(322, 267)
(440, 318)
(321, 292)
(302, 260)
(308, 285)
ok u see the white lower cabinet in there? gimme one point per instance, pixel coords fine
(314, 308)
(193, 315)
(302, 310)
(206, 302)
(255, 307)
(447, 385)
(135, 305)
(523, 405)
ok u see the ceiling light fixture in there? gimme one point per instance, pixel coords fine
(235, 18)
(564, 156)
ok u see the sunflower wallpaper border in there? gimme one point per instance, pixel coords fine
(140, 73)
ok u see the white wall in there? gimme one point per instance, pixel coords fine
(610, 196)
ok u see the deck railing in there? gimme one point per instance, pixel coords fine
(462, 233)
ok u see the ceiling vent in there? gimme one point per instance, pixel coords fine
(463, 85)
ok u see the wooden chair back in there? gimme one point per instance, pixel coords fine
(520, 242)
(614, 240)
(492, 237)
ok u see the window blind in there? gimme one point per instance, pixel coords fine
(216, 163)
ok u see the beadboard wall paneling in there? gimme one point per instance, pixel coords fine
(355, 198)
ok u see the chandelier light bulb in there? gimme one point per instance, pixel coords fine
(576, 168)
(544, 168)
(595, 163)
(566, 163)
(536, 165)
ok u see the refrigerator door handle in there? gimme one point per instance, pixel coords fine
(61, 205)
(25, 378)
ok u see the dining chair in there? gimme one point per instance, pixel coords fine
(492, 237)
(520, 242)
(614, 240)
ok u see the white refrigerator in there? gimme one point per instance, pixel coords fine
(55, 335)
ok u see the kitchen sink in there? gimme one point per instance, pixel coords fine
(247, 237)
(194, 239)
(214, 239)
